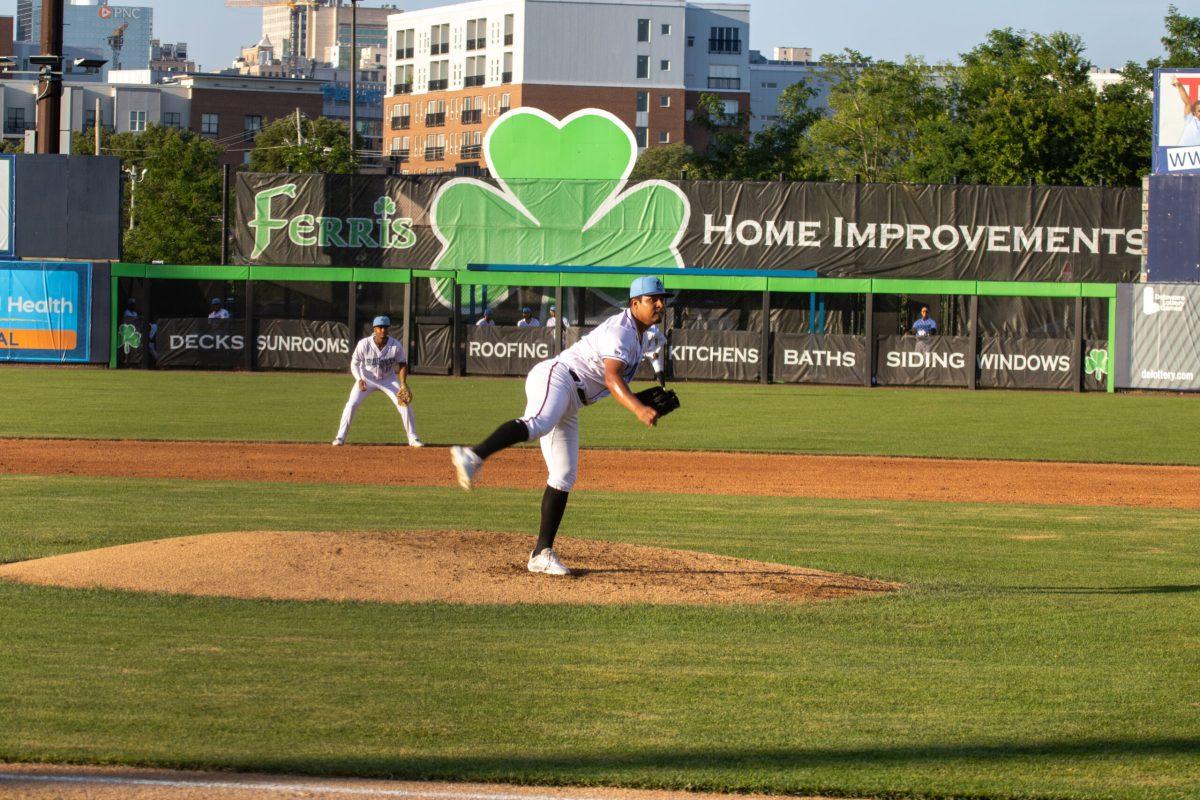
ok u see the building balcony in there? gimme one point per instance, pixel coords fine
(508, 39)
(436, 120)
(435, 154)
(439, 84)
(725, 83)
(724, 46)
(472, 116)
(476, 44)
(399, 156)
(17, 127)
(404, 52)
(504, 110)
(473, 80)
(472, 151)
(506, 77)
(401, 123)
(438, 48)
(402, 88)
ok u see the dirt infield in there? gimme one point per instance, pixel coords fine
(475, 567)
(55, 782)
(848, 477)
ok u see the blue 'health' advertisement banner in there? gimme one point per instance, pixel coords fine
(45, 312)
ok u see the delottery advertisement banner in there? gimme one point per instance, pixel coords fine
(819, 358)
(923, 361)
(1176, 121)
(45, 312)
(1165, 336)
(506, 350)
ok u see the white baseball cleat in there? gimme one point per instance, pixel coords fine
(338, 442)
(547, 563)
(415, 443)
(466, 464)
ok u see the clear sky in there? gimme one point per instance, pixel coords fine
(1115, 31)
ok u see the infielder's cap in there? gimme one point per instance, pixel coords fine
(647, 285)
(526, 310)
(487, 312)
(554, 308)
(381, 322)
(131, 302)
(216, 301)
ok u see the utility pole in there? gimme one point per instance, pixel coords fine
(96, 129)
(353, 70)
(49, 98)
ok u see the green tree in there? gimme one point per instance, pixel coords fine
(665, 163)
(299, 144)
(725, 154)
(1181, 42)
(887, 121)
(776, 150)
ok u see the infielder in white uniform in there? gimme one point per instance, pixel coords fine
(380, 363)
(600, 363)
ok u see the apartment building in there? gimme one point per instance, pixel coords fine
(229, 110)
(305, 32)
(454, 69)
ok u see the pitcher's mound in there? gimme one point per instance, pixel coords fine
(472, 567)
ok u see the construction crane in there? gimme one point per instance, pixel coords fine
(297, 8)
(116, 42)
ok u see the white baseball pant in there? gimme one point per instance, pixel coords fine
(389, 387)
(552, 404)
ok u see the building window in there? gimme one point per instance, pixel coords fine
(664, 137)
(506, 76)
(209, 124)
(475, 67)
(439, 39)
(643, 30)
(477, 34)
(137, 121)
(508, 29)
(170, 119)
(435, 116)
(665, 30)
(724, 40)
(664, 65)
(253, 123)
(643, 101)
(723, 76)
(641, 133)
(691, 41)
(643, 66)
(404, 80)
(439, 75)
(505, 103)
(729, 107)
(14, 120)
(405, 43)
(664, 101)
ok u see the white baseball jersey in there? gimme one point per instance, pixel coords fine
(221, 314)
(376, 364)
(617, 338)
(653, 344)
(553, 322)
(529, 323)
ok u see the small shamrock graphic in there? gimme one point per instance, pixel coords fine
(1096, 363)
(129, 338)
(561, 200)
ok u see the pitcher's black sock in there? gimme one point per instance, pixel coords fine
(554, 503)
(508, 434)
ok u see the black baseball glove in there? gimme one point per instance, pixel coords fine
(664, 401)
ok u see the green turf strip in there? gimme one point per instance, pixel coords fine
(134, 404)
(1011, 667)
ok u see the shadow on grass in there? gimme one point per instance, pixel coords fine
(688, 767)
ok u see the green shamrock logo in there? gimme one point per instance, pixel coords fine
(130, 339)
(1096, 363)
(561, 200)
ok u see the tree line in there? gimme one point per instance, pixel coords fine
(1019, 108)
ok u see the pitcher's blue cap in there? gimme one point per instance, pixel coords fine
(647, 285)
(526, 310)
(381, 322)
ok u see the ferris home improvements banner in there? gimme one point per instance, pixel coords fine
(1176, 124)
(560, 195)
(45, 312)
(1164, 352)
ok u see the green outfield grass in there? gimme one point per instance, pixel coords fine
(133, 404)
(1063, 665)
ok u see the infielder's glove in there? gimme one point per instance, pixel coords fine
(404, 395)
(664, 401)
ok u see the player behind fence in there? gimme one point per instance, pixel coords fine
(380, 363)
(600, 363)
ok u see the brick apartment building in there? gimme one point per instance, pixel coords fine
(454, 69)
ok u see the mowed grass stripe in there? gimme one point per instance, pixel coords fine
(1036, 652)
(136, 404)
